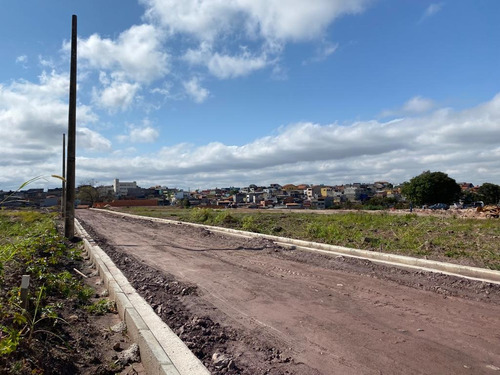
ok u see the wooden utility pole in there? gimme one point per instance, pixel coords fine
(63, 195)
(69, 219)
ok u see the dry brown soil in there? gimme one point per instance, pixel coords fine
(268, 310)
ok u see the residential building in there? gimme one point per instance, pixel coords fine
(327, 191)
(121, 188)
(313, 192)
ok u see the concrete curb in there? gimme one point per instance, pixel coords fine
(474, 273)
(162, 352)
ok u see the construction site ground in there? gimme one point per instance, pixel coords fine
(247, 306)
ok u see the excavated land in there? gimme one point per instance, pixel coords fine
(247, 306)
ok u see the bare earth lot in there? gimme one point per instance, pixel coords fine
(267, 310)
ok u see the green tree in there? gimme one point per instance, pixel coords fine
(489, 193)
(87, 194)
(431, 187)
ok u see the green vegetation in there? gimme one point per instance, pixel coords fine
(88, 194)
(449, 238)
(489, 193)
(101, 307)
(30, 245)
(431, 187)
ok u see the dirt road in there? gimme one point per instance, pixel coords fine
(267, 310)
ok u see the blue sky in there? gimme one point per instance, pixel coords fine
(199, 93)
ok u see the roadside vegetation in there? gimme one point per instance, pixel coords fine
(33, 327)
(445, 238)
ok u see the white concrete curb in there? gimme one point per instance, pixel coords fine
(474, 273)
(162, 352)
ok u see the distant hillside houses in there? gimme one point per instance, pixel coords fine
(273, 195)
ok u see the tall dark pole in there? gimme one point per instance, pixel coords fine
(69, 220)
(63, 195)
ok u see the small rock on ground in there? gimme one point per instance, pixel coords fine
(119, 327)
(129, 355)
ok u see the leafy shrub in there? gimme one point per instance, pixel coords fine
(203, 215)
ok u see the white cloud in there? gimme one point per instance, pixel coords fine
(225, 66)
(414, 106)
(33, 117)
(137, 53)
(461, 143)
(263, 27)
(195, 91)
(118, 95)
(296, 20)
(431, 10)
(46, 62)
(140, 134)
(144, 135)
(91, 140)
(165, 90)
(23, 59)
(326, 49)
(293, 20)
(418, 104)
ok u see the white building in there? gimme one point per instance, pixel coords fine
(121, 188)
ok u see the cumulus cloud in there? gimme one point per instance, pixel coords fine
(195, 91)
(33, 117)
(265, 25)
(118, 95)
(91, 140)
(225, 66)
(137, 53)
(295, 20)
(140, 134)
(464, 144)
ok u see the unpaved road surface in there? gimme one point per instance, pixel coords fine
(267, 310)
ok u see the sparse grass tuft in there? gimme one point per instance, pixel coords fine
(101, 307)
